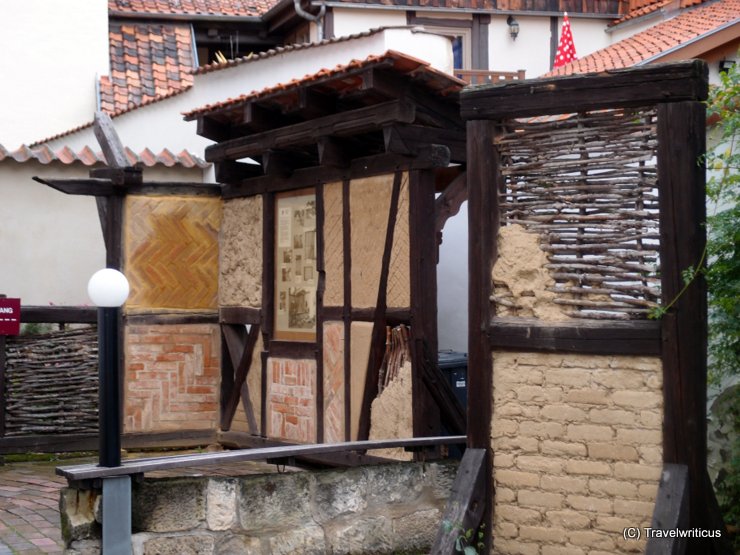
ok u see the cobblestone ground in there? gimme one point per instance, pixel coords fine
(29, 514)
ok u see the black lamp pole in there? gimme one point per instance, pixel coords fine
(109, 404)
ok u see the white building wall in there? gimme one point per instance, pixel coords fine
(160, 125)
(51, 54)
(351, 21)
(50, 242)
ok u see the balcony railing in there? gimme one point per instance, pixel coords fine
(487, 76)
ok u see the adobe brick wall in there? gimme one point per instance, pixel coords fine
(577, 446)
(172, 377)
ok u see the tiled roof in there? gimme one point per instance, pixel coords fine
(88, 157)
(148, 61)
(437, 80)
(690, 25)
(639, 8)
(253, 8)
(606, 7)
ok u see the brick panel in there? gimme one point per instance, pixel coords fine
(577, 448)
(291, 399)
(333, 382)
(172, 377)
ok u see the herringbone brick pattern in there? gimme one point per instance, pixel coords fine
(171, 246)
(333, 245)
(291, 398)
(333, 382)
(172, 377)
(399, 283)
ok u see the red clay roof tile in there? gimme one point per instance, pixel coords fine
(253, 8)
(688, 25)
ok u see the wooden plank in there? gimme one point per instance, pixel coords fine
(59, 314)
(80, 186)
(681, 179)
(118, 176)
(671, 510)
(449, 202)
(239, 315)
(109, 142)
(343, 124)
(105, 188)
(212, 129)
(140, 466)
(268, 295)
(320, 288)
(169, 318)
(435, 156)
(228, 369)
(393, 316)
(378, 334)
(466, 503)
(638, 338)
(636, 86)
(347, 308)
(240, 351)
(484, 180)
(423, 285)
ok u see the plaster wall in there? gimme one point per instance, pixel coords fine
(348, 21)
(163, 121)
(531, 49)
(241, 253)
(360, 340)
(51, 243)
(49, 79)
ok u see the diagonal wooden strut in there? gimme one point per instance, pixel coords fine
(240, 350)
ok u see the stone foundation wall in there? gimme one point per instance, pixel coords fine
(577, 446)
(380, 509)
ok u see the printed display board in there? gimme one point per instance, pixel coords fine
(10, 316)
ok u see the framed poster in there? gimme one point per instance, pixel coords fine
(295, 260)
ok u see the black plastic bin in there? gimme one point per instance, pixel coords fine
(454, 366)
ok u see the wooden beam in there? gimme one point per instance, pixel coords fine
(410, 139)
(466, 503)
(105, 188)
(278, 163)
(484, 182)
(169, 318)
(240, 351)
(267, 314)
(423, 286)
(239, 315)
(229, 171)
(332, 153)
(118, 176)
(671, 510)
(292, 349)
(90, 186)
(347, 305)
(449, 202)
(320, 288)
(681, 183)
(140, 466)
(350, 122)
(637, 338)
(393, 316)
(59, 314)
(636, 86)
(212, 129)
(109, 142)
(378, 335)
(436, 156)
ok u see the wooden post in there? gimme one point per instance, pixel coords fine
(483, 223)
(423, 246)
(320, 287)
(3, 389)
(347, 308)
(681, 178)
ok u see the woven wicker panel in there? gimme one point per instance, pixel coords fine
(587, 183)
(51, 383)
(171, 246)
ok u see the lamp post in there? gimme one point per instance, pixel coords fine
(108, 289)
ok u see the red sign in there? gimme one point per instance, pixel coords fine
(10, 316)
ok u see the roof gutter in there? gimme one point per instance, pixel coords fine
(404, 8)
(188, 17)
(688, 43)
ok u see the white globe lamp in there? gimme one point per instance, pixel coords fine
(108, 288)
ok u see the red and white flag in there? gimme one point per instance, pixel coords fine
(566, 48)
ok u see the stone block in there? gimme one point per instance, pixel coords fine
(518, 515)
(182, 544)
(306, 540)
(239, 545)
(77, 514)
(612, 416)
(527, 498)
(516, 479)
(334, 495)
(275, 502)
(505, 530)
(640, 437)
(587, 397)
(633, 471)
(563, 413)
(415, 532)
(612, 452)
(539, 464)
(589, 432)
(540, 430)
(505, 495)
(588, 467)
(637, 399)
(440, 477)
(221, 504)
(170, 505)
(84, 547)
(565, 484)
(367, 535)
(518, 443)
(398, 483)
(560, 448)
